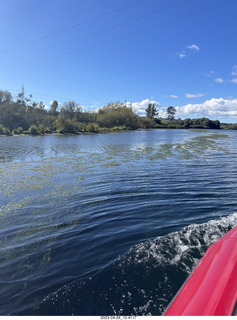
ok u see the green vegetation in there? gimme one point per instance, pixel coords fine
(197, 123)
(24, 116)
(229, 126)
(151, 111)
(34, 130)
(171, 113)
(4, 130)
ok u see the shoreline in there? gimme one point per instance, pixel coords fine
(58, 134)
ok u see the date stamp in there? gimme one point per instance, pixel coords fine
(118, 317)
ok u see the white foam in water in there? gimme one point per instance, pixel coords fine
(179, 247)
(169, 258)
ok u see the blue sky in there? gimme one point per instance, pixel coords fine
(169, 52)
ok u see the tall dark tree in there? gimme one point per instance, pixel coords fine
(53, 108)
(171, 113)
(151, 111)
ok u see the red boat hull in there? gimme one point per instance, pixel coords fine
(211, 290)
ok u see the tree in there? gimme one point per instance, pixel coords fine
(5, 97)
(151, 111)
(146, 122)
(111, 107)
(187, 123)
(53, 108)
(12, 116)
(70, 109)
(216, 124)
(117, 114)
(86, 117)
(171, 113)
(22, 99)
(33, 130)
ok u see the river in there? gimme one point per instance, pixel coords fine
(110, 224)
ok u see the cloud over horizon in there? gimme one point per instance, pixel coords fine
(215, 108)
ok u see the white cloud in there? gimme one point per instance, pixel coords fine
(193, 47)
(234, 80)
(195, 95)
(173, 96)
(219, 80)
(210, 108)
(234, 71)
(188, 50)
(181, 55)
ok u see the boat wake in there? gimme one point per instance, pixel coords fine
(141, 282)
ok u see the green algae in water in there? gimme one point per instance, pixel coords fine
(46, 258)
(41, 179)
(12, 206)
(111, 164)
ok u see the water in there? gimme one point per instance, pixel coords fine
(110, 224)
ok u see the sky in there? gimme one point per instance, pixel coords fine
(180, 53)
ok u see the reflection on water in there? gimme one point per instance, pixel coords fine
(71, 205)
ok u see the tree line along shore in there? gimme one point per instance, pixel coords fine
(24, 116)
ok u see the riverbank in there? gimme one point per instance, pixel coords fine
(24, 117)
(95, 128)
(116, 130)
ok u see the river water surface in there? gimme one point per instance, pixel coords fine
(110, 224)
